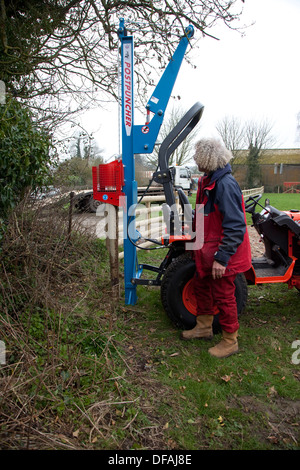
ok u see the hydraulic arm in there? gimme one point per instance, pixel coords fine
(139, 139)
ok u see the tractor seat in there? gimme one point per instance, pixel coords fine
(186, 206)
(283, 220)
(166, 210)
(273, 211)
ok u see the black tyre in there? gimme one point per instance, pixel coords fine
(93, 204)
(177, 293)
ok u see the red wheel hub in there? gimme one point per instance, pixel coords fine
(189, 298)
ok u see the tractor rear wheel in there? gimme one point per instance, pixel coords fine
(178, 297)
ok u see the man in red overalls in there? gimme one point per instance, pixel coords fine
(226, 248)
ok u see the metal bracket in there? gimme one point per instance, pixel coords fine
(163, 176)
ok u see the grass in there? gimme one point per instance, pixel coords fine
(248, 401)
(222, 398)
(282, 201)
(83, 373)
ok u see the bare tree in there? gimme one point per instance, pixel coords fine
(231, 130)
(184, 152)
(83, 145)
(254, 136)
(259, 134)
(258, 137)
(58, 52)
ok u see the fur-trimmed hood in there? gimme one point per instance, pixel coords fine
(211, 154)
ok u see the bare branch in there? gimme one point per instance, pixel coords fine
(69, 48)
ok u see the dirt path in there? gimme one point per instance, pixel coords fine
(257, 246)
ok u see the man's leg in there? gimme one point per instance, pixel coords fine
(223, 291)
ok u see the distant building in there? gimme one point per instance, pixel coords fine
(279, 169)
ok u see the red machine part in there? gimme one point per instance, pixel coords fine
(189, 298)
(295, 215)
(108, 181)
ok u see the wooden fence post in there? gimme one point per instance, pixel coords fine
(70, 213)
(112, 236)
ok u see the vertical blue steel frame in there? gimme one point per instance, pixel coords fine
(140, 139)
(130, 188)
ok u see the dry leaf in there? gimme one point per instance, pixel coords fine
(226, 378)
(272, 392)
(221, 421)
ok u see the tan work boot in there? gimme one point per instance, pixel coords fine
(202, 330)
(227, 346)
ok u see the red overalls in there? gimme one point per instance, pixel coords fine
(226, 240)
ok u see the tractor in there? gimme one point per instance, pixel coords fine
(115, 182)
(279, 231)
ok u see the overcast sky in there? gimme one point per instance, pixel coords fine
(255, 76)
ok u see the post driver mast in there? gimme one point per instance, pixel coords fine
(140, 139)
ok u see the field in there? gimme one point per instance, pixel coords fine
(83, 373)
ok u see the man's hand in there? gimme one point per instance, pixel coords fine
(218, 270)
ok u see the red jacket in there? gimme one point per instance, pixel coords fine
(226, 237)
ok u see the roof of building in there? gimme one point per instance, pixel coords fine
(272, 156)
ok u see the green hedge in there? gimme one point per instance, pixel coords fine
(24, 155)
